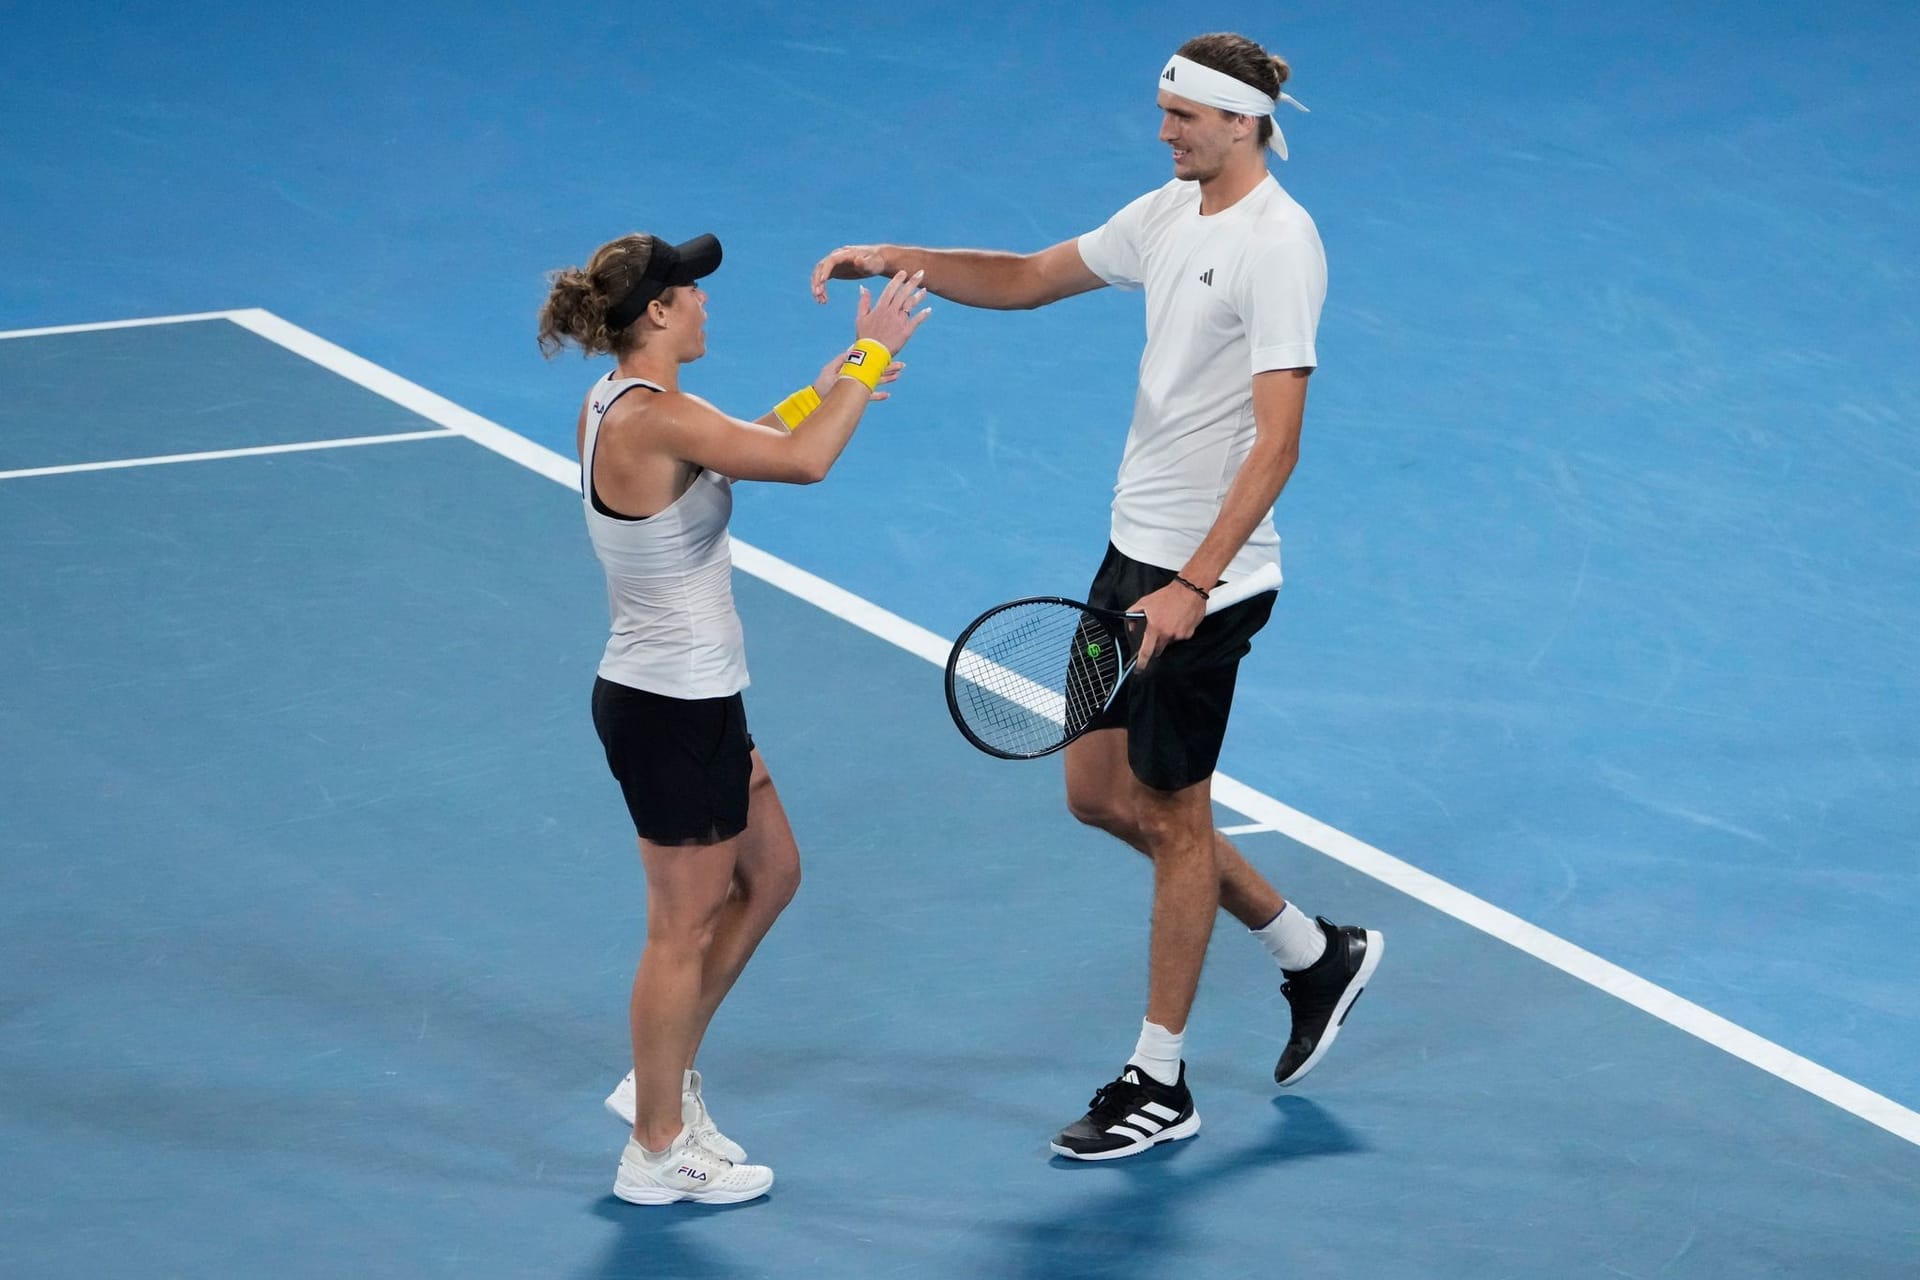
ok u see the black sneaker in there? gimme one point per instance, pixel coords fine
(1322, 994)
(1130, 1115)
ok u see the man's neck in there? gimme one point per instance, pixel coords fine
(1241, 174)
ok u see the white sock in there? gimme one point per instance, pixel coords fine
(669, 1152)
(1292, 938)
(1158, 1052)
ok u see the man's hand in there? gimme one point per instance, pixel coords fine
(1173, 614)
(848, 262)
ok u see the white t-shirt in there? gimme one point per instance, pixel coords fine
(1228, 295)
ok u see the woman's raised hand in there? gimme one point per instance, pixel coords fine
(890, 319)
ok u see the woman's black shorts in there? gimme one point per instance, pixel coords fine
(1175, 712)
(683, 764)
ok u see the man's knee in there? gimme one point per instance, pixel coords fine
(1100, 807)
(1180, 823)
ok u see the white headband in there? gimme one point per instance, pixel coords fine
(1185, 78)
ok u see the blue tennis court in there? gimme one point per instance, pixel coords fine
(1592, 685)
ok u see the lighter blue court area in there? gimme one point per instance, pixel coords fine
(317, 909)
(319, 914)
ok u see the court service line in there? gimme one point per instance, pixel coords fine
(1265, 811)
(51, 330)
(212, 455)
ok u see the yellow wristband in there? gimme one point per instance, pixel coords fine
(866, 362)
(794, 409)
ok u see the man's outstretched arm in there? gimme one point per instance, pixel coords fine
(973, 277)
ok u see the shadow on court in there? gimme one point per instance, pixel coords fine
(1138, 1215)
(1142, 1217)
(655, 1242)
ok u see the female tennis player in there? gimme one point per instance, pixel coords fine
(656, 466)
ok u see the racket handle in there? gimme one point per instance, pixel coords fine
(1265, 578)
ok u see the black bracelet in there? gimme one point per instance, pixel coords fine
(1197, 590)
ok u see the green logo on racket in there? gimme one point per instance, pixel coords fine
(1093, 651)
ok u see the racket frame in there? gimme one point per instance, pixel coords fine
(1126, 625)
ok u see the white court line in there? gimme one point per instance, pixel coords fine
(1263, 809)
(1245, 829)
(114, 324)
(252, 451)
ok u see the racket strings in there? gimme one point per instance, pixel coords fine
(1032, 675)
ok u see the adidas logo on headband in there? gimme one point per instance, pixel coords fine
(1168, 75)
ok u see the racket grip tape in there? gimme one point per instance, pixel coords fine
(1234, 590)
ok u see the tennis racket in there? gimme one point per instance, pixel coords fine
(1027, 677)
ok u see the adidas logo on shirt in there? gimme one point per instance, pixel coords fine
(1206, 277)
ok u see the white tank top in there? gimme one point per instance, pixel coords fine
(669, 580)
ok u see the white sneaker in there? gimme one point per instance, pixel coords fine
(621, 1101)
(687, 1171)
(693, 1114)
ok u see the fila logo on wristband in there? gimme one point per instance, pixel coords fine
(866, 363)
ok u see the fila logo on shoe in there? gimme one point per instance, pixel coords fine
(1206, 277)
(691, 1172)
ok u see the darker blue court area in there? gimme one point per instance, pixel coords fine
(317, 914)
(170, 389)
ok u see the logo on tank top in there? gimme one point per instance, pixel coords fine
(1206, 277)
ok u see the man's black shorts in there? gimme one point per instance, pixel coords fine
(683, 764)
(1175, 711)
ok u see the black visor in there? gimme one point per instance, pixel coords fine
(668, 265)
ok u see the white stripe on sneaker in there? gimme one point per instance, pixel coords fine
(1163, 1112)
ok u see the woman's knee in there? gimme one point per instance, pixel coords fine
(684, 903)
(770, 886)
(688, 931)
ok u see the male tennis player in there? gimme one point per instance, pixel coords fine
(1234, 278)
(656, 481)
